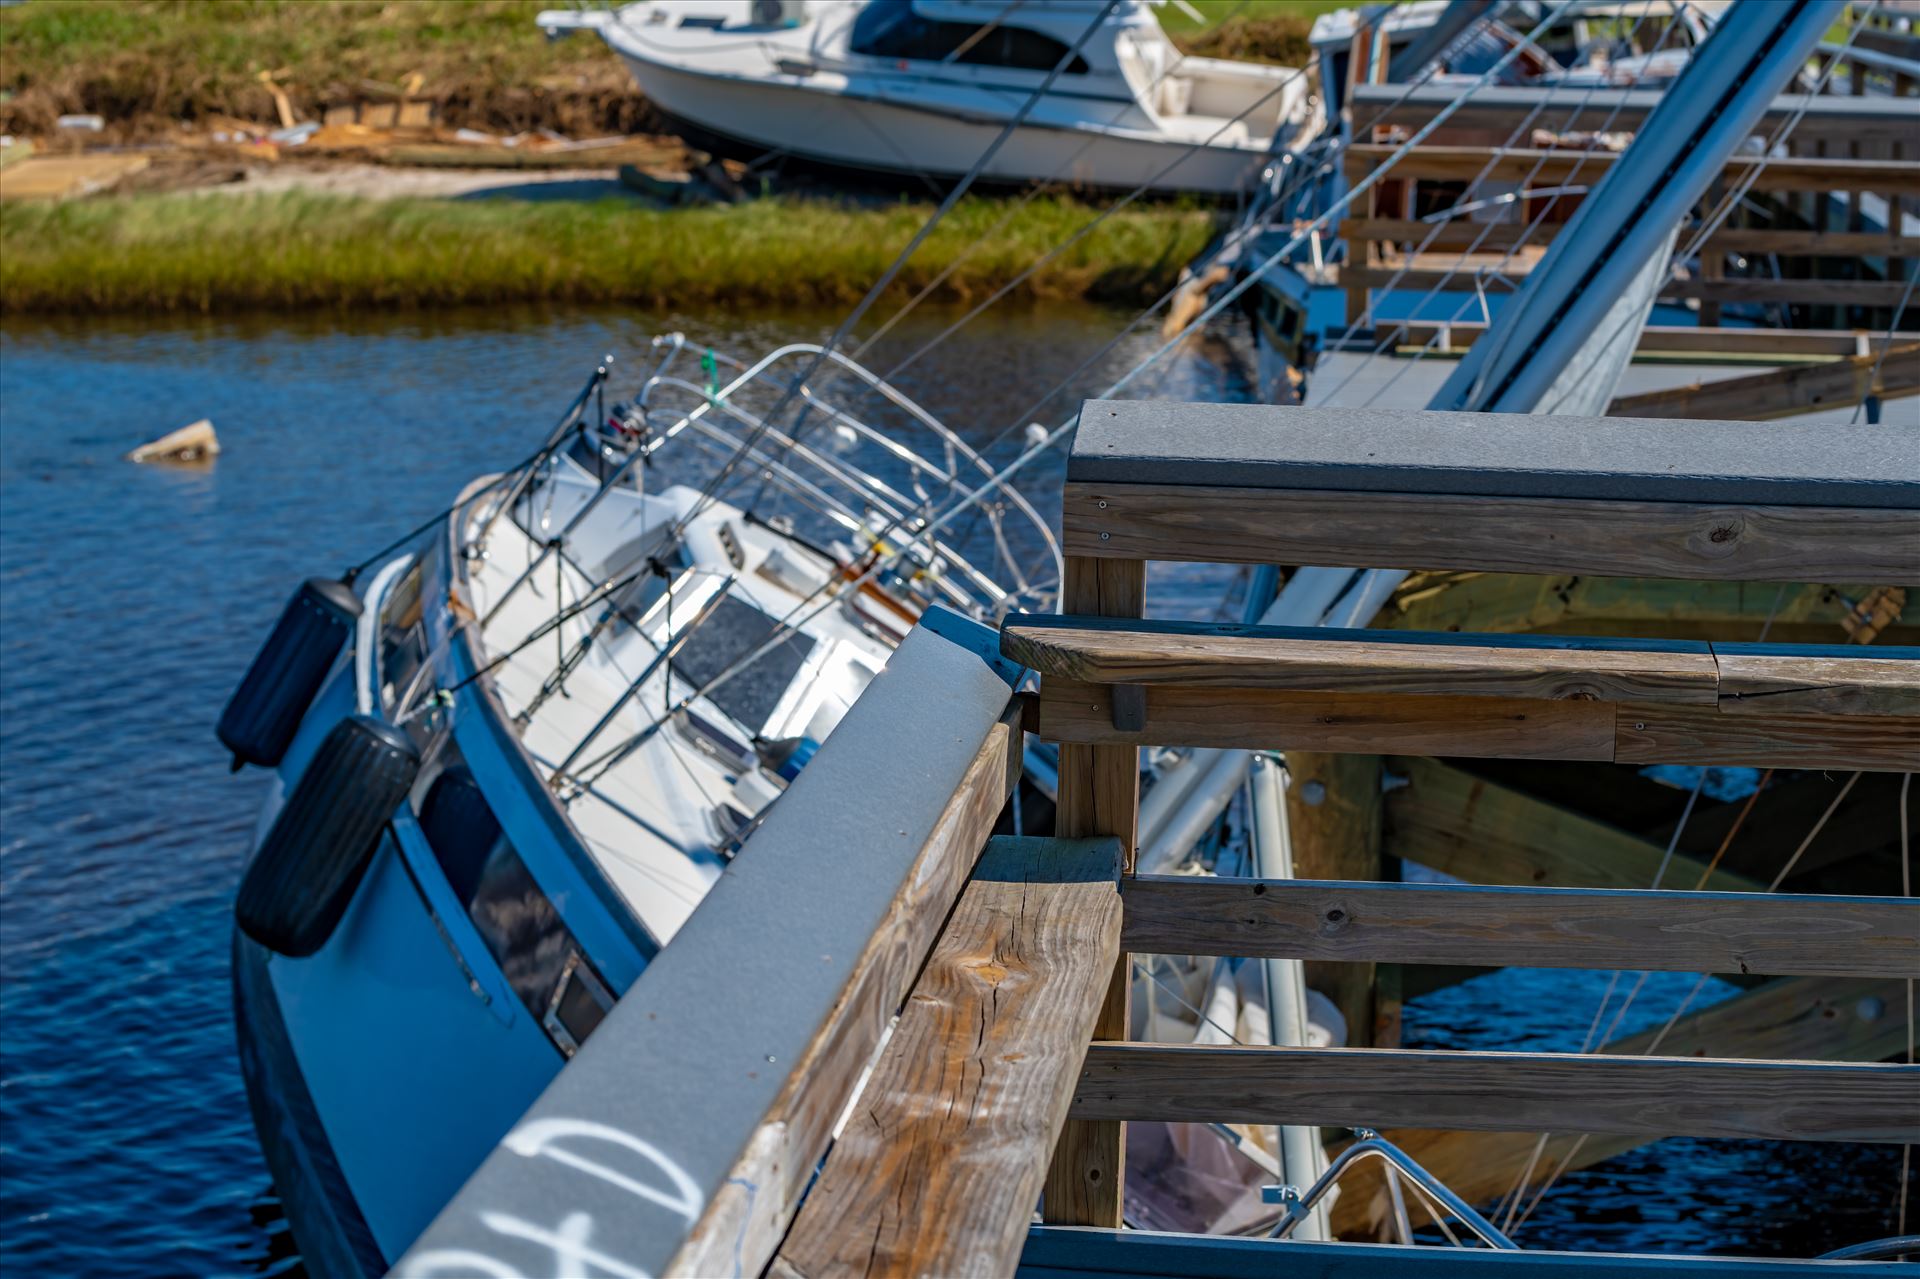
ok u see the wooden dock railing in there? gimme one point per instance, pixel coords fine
(1529, 494)
(1387, 246)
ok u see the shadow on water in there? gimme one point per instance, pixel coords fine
(132, 597)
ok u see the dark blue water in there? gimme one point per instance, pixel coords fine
(131, 598)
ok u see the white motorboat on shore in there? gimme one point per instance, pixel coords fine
(921, 88)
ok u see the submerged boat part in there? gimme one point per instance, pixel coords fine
(265, 711)
(315, 853)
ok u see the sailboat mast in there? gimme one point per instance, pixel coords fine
(1562, 343)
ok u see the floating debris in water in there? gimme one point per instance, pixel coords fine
(195, 443)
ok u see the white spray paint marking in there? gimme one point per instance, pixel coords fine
(572, 1257)
(457, 1262)
(541, 1137)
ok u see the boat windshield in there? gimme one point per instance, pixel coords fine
(894, 30)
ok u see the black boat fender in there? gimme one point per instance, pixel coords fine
(264, 713)
(314, 855)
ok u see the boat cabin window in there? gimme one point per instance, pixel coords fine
(522, 930)
(732, 631)
(893, 30)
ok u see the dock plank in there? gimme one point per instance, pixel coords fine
(1475, 727)
(940, 1164)
(1770, 934)
(1363, 723)
(1546, 168)
(1701, 1097)
(1226, 525)
(1106, 651)
(1764, 738)
(1890, 374)
(1759, 679)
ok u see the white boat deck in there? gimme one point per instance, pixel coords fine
(656, 820)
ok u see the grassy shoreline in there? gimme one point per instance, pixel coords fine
(221, 253)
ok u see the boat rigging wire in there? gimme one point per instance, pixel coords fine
(1088, 227)
(525, 464)
(1484, 391)
(1886, 346)
(1027, 197)
(1687, 1001)
(900, 261)
(1732, 198)
(1510, 1201)
(1234, 291)
(1020, 420)
(1525, 237)
(1780, 135)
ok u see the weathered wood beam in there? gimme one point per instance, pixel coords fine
(1486, 833)
(1667, 734)
(1632, 1096)
(1363, 723)
(1463, 234)
(1755, 680)
(1501, 109)
(1334, 825)
(1514, 534)
(1550, 168)
(1832, 680)
(1102, 651)
(1795, 1018)
(1479, 727)
(1786, 392)
(1643, 608)
(1098, 794)
(1453, 278)
(1625, 497)
(1789, 242)
(1770, 934)
(1875, 293)
(940, 1163)
(1674, 339)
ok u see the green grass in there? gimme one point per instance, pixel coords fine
(1215, 12)
(298, 250)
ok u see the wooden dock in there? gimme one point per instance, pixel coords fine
(885, 1035)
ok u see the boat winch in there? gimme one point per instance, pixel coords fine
(265, 711)
(313, 856)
